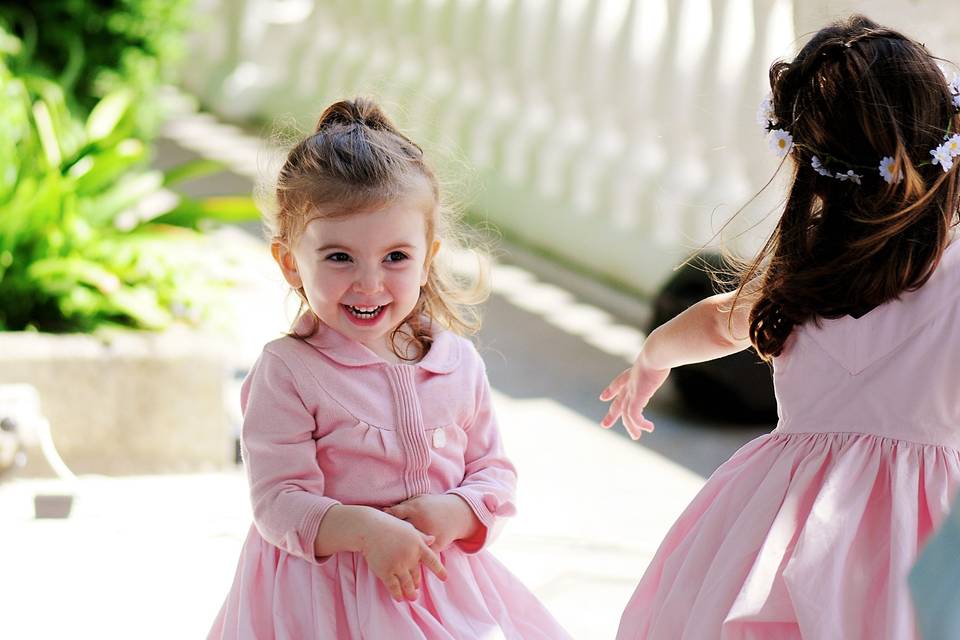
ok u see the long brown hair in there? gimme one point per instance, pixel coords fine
(356, 158)
(857, 92)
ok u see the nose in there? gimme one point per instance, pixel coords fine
(369, 280)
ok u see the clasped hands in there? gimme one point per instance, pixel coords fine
(414, 532)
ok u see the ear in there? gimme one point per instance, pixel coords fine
(431, 254)
(288, 264)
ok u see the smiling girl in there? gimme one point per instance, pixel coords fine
(376, 471)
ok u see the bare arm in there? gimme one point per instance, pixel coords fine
(705, 331)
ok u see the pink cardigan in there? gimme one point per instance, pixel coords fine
(326, 421)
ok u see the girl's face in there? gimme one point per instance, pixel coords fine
(362, 272)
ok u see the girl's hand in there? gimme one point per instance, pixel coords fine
(630, 392)
(447, 518)
(394, 550)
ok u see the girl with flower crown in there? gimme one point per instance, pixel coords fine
(377, 474)
(810, 532)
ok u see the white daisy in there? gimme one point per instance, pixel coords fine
(765, 115)
(818, 167)
(781, 142)
(953, 145)
(849, 175)
(955, 89)
(941, 155)
(888, 176)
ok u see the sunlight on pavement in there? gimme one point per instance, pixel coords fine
(157, 553)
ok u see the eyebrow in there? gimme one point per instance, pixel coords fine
(331, 247)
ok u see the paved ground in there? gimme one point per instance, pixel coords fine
(152, 557)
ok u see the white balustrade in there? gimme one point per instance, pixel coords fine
(616, 135)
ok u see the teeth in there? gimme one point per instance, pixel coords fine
(364, 313)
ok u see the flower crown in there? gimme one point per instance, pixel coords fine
(782, 142)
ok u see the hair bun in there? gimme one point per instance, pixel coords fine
(358, 111)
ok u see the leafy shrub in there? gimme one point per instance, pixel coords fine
(94, 47)
(88, 234)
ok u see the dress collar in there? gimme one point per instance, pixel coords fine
(443, 356)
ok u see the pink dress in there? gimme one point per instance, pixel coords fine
(326, 421)
(810, 531)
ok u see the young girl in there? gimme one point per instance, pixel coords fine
(376, 471)
(810, 532)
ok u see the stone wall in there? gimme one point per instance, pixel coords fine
(126, 402)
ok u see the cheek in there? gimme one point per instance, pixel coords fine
(406, 282)
(329, 284)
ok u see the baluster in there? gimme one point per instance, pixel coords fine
(724, 187)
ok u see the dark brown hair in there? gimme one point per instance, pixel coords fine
(357, 159)
(857, 92)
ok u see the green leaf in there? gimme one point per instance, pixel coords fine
(193, 169)
(34, 207)
(9, 44)
(124, 194)
(60, 275)
(221, 209)
(47, 133)
(96, 170)
(108, 113)
(141, 304)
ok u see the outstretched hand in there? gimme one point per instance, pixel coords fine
(630, 392)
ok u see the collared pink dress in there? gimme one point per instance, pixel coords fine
(810, 531)
(327, 421)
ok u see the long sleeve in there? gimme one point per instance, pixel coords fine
(490, 479)
(280, 455)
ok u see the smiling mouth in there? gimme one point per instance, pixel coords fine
(364, 313)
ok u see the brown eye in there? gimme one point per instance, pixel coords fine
(396, 256)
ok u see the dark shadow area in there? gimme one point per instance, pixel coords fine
(528, 358)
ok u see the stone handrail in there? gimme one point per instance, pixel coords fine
(616, 135)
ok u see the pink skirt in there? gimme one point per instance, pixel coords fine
(279, 596)
(803, 535)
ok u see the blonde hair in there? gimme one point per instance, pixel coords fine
(356, 158)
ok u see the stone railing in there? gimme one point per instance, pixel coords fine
(615, 135)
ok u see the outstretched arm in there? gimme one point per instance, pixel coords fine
(705, 331)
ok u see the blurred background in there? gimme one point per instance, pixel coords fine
(597, 144)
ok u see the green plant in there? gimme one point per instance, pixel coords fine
(94, 47)
(88, 234)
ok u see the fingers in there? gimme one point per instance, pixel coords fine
(432, 562)
(393, 585)
(401, 511)
(407, 587)
(635, 423)
(415, 576)
(436, 544)
(615, 386)
(615, 411)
